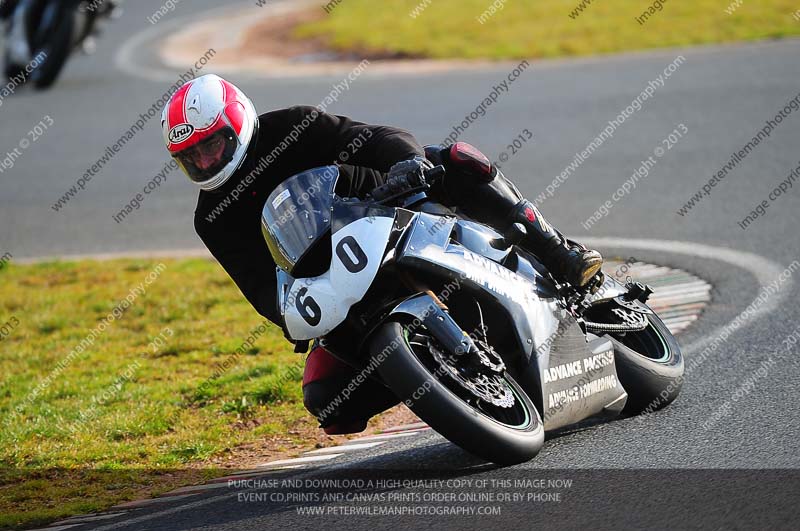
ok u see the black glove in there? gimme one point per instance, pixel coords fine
(412, 170)
(403, 176)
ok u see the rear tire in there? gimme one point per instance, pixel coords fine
(649, 366)
(464, 425)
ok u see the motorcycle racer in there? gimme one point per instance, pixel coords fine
(237, 157)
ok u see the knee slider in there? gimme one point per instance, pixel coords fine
(469, 159)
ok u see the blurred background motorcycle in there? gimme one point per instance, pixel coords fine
(41, 34)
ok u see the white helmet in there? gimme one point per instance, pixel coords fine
(208, 125)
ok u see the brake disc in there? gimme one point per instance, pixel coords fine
(489, 358)
(490, 388)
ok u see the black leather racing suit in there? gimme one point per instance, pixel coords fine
(229, 220)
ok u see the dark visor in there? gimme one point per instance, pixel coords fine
(205, 159)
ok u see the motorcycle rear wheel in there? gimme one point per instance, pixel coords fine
(649, 365)
(505, 436)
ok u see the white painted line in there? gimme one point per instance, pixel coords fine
(687, 293)
(677, 275)
(383, 437)
(649, 273)
(658, 308)
(345, 448)
(672, 314)
(175, 253)
(674, 279)
(88, 518)
(677, 314)
(309, 459)
(695, 307)
(671, 284)
(57, 528)
(152, 501)
(663, 285)
(688, 297)
(671, 311)
(406, 427)
(680, 321)
(684, 286)
(682, 291)
(417, 430)
(256, 471)
(678, 296)
(195, 488)
(124, 59)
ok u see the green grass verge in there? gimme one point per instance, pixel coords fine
(529, 29)
(128, 416)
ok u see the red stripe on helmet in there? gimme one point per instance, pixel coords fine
(234, 109)
(177, 112)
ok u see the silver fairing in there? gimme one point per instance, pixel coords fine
(563, 368)
(429, 242)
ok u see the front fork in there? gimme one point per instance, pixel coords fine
(425, 309)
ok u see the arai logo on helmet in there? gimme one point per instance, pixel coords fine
(180, 133)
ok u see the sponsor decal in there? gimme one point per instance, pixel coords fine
(499, 279)
(278, 201)
(586, 385)
(559, 372)
(574, 368)
(180, 133)
(559, 398)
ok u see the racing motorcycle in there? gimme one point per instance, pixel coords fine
(462, 324)
(40, 35)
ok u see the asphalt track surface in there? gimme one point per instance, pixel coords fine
(722, 95)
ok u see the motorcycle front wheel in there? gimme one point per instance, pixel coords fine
(505, 435)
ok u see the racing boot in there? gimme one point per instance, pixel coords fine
(566, 260)
(480, 189)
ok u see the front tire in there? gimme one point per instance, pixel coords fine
(12, 70)
(56, 45)
(436, 401)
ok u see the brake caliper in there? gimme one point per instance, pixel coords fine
(470, 373)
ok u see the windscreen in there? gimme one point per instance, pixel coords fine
(297, 214)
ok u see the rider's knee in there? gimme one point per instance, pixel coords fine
(462, 160)
(317, 397)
